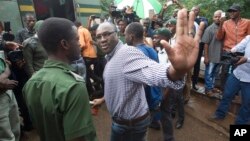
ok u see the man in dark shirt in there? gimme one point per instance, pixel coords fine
(28, 31)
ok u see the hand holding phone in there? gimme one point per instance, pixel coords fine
(223, 14)
(169, 3)
(91, 102)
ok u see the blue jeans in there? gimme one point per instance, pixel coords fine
(211, 71)
(234, 85)
(130, 133)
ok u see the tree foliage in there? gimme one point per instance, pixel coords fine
(208, 7)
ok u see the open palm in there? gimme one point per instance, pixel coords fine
(184, 53)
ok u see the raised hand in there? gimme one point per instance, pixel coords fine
(8, 84)
(184, 53)
(12, 45)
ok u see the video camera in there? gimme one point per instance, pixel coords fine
(231, 58)
(114, 12)
(15, 56)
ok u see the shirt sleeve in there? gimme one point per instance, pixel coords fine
(77, 118)
(28, 57)
(2, 66)
(240, 47)
(221, 33)
(248, 60)
(141, 69)
(81, 38)
(206, 37)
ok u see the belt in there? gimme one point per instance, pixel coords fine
(131, 122)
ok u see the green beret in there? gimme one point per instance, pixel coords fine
(163, 32)
(38, 25)
(171, 21)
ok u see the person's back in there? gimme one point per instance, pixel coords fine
(153, 94)
(86, 42)
(34, 55)
(33, 52)
(56, 97)
(47, 96)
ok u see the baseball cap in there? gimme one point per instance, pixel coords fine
(38, 25)
(171, 21)
(234, 7)
(164, 32)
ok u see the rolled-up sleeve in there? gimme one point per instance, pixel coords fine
(141, 69)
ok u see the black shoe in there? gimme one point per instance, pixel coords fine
(179, 125)
(155, 125)
(173, 115)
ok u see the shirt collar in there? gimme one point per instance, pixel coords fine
(57, 64)
(111, 54)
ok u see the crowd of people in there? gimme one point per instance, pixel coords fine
(143, 69)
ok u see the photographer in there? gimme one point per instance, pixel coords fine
(237, 81)
(127, 13)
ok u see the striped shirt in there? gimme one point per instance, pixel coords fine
(125, 74)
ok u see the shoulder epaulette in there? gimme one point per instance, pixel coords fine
(76, 76)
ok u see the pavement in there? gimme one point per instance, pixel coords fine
(197, 125)
(202, 107)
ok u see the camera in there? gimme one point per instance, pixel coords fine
(231, 58)
(14, 56)
(94, 17)
(7, 35)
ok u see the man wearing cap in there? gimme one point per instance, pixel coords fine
(161, 34)
(231, 32)
(33, 52)
(178, 96)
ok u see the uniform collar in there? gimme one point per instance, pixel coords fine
(57, 64)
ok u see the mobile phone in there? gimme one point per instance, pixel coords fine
(91, 102)
(7, 27)
(223, 14)
(169, 3)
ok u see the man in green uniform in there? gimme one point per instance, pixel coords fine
(56, 97)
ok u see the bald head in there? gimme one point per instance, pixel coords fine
(108, 25)
(218, 12)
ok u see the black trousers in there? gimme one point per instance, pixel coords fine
(196, 69)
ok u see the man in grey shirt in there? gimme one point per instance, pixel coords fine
(212, 54)
(128, 69)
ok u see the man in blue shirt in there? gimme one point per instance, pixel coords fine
(239, 80)
(134, 37)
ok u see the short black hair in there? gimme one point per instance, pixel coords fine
(29, 15)
(122, 20)
(77, 23)
(136, 29)
(52, 31)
